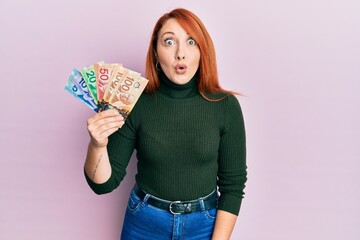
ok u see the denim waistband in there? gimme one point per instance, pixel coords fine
(179, 207)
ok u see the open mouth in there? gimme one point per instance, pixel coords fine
(180, 68)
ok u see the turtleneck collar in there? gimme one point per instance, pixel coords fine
(173, 90)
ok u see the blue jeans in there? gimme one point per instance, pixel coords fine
(143, 221)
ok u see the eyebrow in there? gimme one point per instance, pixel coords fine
(168, 33)
(172, 33)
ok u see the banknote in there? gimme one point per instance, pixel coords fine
(127, 92)
(117, 77)
(73, 88)
(103, 86)
(103, 72)
(80, 82)
(88, 74)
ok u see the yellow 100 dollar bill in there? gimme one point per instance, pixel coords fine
(116, 77)
(128, 92)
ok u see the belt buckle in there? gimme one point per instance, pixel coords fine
(170, 207)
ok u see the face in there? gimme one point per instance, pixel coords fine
(177, 53)
(127, 98)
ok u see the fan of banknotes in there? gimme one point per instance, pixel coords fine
(103, 85)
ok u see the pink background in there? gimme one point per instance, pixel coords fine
(297, 62)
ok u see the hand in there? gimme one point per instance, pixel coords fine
(102, 125)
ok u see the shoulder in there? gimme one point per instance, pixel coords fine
(224, 98)
(217, 96)
(233, 109)
(232, 101)
(227, 103)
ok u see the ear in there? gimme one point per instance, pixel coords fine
(156, 56)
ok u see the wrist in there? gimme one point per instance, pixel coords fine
(96, 146)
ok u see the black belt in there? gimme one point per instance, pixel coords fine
(179, 207)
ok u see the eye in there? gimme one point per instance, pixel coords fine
(169, 41)
(191, 41)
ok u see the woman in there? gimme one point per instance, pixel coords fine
(189, 136)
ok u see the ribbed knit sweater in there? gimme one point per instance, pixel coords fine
(186, 146)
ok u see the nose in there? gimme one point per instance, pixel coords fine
(180, 53)
(180, 57)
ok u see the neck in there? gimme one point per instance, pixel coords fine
(174, 90)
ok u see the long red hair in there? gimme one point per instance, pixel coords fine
(208, 81)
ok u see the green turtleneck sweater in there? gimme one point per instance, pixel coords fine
(186, 146)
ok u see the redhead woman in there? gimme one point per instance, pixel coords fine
(189, 138)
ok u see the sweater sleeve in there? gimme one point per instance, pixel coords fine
(232, 173)
(120, 148)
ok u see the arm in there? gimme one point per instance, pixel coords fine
(109, 151)
(224, 225)
(232, 174)
(97, 165)
(100, 127)
(110, 148)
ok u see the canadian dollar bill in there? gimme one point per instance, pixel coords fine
(103, 72)
(127, 92)
(88, 74)
(115, 78)
(103, 86)
(74, 89)
(80, 82)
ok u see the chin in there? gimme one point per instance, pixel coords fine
(182, 80)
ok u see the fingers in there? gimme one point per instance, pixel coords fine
(107, 122)
(108, 132)
(102, 115)
(102, 129)
(103, 124)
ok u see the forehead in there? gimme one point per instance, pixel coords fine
(172, 26)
